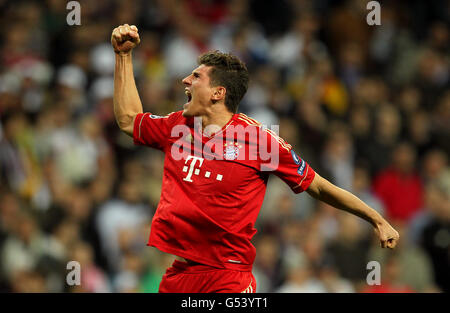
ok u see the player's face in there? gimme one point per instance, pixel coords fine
(198, 91)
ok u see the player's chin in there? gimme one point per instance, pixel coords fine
(187, 111)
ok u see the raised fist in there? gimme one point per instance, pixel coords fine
(124, 38)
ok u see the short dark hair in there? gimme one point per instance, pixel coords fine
(227, 71)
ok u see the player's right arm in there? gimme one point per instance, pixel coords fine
(323, 190)
(301, 177)
(127, 104)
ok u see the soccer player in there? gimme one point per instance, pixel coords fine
(216, 168)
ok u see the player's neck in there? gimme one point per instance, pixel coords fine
(215, 120)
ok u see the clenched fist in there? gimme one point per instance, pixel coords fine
(387, 234)
(124, 38)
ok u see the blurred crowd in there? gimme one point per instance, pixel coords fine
(367, 106)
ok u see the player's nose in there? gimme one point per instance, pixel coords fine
(187, 80)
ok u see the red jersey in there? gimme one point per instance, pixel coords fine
(401, 194)
(213, 187)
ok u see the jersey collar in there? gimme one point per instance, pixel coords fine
(232, 119)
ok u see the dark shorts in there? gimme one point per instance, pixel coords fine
(191, 277)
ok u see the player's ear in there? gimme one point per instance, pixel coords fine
(218, 93)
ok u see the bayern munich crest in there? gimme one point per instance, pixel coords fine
(231, 151)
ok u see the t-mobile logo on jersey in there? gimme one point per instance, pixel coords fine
(196, 171)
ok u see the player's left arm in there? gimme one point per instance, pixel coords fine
(323, 190)
(127, 103)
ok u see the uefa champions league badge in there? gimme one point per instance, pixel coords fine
(301, 168)
(231, 151)
(295, 157)
(297, 161)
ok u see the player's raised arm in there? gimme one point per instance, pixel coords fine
(323, 190)
(126, 98)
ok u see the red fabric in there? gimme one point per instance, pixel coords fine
(185, 277)
(387, 288)
(212, 12)
(402, 195)
(208, 207)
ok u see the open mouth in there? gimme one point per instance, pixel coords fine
(188, 94)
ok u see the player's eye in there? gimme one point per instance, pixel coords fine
(196, 75)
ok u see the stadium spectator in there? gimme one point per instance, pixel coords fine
(399, 186)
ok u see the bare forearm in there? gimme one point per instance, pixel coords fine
(126, 97)
(325, 191)
(344, 200)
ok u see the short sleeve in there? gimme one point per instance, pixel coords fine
(153, 130)
(288, 166)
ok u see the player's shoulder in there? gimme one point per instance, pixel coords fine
(270, 134)
(172, 117)
(176, 117)
(247, 121)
